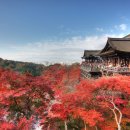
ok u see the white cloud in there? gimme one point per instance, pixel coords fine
(68, 50)
(119, 28)
(100, 29)
(122, 27)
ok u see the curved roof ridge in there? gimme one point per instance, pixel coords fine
(120, 44)
(127, 36)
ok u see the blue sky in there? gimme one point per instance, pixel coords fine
(59, 30)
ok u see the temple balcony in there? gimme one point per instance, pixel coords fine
(116, 69)
(97, 68)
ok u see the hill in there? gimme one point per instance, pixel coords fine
(71, 71)
(22, 67)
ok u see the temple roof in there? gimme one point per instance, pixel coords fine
(116, 45)
(127, 36)
(90, 53)
(120, 44)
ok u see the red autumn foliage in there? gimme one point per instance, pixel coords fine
(58, 111)
(57, 99)
(91, 100)
(21, 96)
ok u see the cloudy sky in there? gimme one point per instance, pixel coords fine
(59, 30)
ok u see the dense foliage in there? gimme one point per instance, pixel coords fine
(60, 100)
(22, 67)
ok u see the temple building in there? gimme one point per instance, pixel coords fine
(114, 58)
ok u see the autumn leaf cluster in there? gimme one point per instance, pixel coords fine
(60, 99)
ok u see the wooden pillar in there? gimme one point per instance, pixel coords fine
(125, 62)
(118, 61)
(107, 61)
(129, 62)
(115, 62)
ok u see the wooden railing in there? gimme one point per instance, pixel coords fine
(100, 67)
(115, 69)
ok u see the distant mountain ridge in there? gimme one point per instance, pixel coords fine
(22, 67)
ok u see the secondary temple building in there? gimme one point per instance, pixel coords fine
(114, 58)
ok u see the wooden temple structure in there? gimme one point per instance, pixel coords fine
(114, 58)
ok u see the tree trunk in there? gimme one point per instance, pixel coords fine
(65, 123)
(85, 128)
(48, 128)
(96, 128)
(118, 119)
(119, 127)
